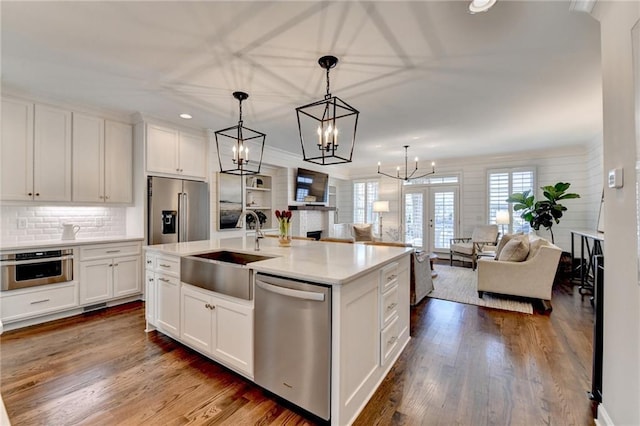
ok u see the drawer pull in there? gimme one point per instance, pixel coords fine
(392, 340)
(165, 265)
(391, 306)
(208, 306)
(164, 280)
(391, 277)
(40, 301)
(113, 251)
(149, 262)
(150, 280)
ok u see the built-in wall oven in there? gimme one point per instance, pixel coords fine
(22, 270)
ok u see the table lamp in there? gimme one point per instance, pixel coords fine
(380, 207)
(502, 218)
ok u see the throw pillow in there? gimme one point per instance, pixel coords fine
(363, 232)
(504, 240)
(534, 247)
(515, 250)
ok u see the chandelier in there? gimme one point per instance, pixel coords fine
(327, 125)
(237, 140)
(408, 176)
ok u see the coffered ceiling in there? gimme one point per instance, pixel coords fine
(428, 74)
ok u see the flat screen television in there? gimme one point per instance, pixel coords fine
(311, 187)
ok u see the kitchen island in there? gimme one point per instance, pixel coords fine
(369, 310)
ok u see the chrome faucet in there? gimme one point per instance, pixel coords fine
(259, 233)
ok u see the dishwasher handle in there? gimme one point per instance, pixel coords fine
(297, 294)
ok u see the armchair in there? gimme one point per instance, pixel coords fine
(469, 247)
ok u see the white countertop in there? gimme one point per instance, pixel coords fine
(331, 263)
(42, 244)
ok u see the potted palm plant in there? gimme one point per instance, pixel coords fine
(545, 212)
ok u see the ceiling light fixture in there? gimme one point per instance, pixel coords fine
(237, 140)
(186, 116)
(478, 6)
(408, 176)
(319, 123)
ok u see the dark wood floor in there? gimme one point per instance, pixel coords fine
(465, 365)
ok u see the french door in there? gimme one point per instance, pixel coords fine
(430, 216)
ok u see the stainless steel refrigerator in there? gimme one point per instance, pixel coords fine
(178, 210)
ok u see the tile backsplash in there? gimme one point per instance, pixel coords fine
(38, 223)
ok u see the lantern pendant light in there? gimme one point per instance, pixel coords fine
(327, 127)
(237, 140)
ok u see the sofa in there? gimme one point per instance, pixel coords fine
(517, 273)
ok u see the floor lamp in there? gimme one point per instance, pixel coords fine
(502, 219)
(380, 207)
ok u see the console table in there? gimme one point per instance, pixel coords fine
(590, 246)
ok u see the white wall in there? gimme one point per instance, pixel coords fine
(565, 164)
(621, 374)
(43, 222)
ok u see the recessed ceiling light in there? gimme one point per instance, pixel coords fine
(186, 116)
(477, 6)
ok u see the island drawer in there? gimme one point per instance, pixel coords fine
(168, 265)
(389, 306)
(388, 340)
(388, 276)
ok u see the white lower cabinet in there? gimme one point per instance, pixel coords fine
(168, 304)
(218, 327)
(36, 301)
(150, 295)
(109, 271)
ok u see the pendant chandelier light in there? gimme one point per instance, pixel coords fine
(236, 141)
(408, 176)
(327, 127)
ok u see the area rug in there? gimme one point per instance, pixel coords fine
(458, 284)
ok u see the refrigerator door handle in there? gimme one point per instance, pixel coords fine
(185, 216)
(181, 218)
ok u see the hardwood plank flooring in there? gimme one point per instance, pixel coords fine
(464, 365)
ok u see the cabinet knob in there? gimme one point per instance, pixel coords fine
(106, 197)
(30, 194)
(37, 194)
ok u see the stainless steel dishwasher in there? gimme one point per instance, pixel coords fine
(293, 341)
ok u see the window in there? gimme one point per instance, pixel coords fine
(503, 183)
(364, 194)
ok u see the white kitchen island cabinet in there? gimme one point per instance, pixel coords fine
(218, 327)
(369, 310)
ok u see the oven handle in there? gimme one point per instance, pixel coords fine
(31, 261)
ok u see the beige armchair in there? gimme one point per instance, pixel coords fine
(469, 247)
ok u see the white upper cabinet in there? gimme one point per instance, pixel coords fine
(102, 160)
(16, 156)
(193, 155)
(88, 158)
(173, 152)
(52, 154)
(118, 162)
(36, 152)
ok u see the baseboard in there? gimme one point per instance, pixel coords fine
(603, 417)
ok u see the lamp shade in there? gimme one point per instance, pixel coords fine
(380, 206)
(502, 217)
